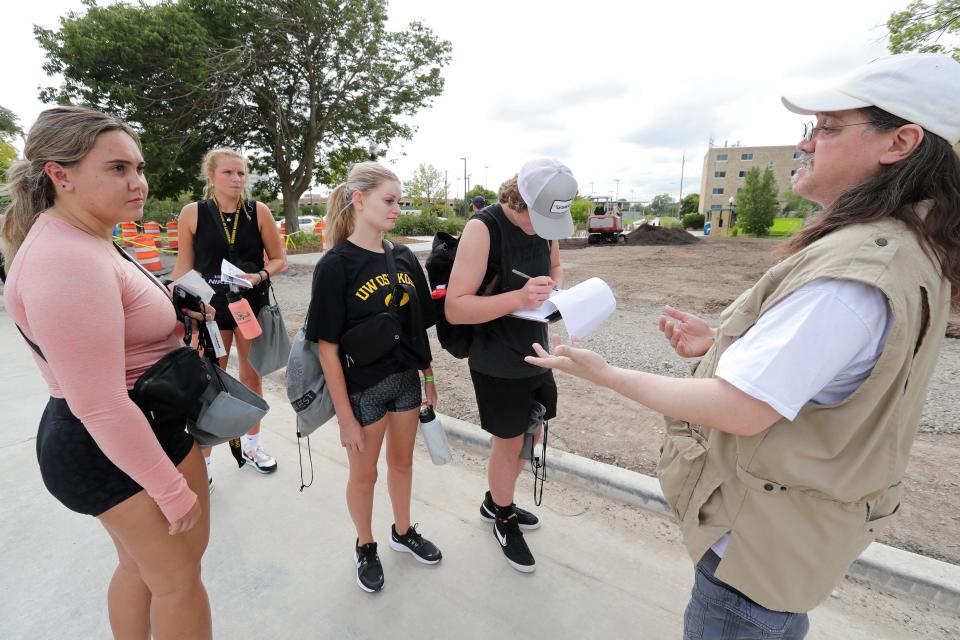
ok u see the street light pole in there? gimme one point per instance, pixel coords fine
(486, 177)
(464, 178)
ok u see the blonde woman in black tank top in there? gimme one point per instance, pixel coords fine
(226, 226)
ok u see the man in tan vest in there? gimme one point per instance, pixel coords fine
(785, 452)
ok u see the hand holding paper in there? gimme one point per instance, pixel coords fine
(233, 275)
(583, 307)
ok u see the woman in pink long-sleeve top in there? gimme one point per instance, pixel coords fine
(99, 323)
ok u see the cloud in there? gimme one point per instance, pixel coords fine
(681, 125)
(541, 114)
(561, 149)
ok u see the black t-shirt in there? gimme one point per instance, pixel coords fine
(350, 285)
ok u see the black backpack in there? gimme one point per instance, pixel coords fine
(455, 338)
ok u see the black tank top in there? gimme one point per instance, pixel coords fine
(210, 245)
(498, 346)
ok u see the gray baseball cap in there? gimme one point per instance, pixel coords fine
(549, 188)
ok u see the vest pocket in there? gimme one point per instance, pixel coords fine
(881, 511)
(681, 463)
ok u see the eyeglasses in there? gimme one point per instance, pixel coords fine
(810, 130)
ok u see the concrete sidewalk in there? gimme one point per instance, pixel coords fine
(279, 563)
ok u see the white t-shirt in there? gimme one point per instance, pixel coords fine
(816, 345)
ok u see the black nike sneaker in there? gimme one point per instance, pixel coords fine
(506, 528)
(415, 544)
(369, 569)
(526, 520)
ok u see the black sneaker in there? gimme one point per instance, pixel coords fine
(506, 528)
(369, 569)
(527, 521)
(414, 543)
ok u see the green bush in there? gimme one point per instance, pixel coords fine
(786, 226)
(427, 225)
(670, 223)
(735, 232)
(693, 221)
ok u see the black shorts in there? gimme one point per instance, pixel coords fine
(505, 403)
(257, 297)
(77, 472)
(396, 393)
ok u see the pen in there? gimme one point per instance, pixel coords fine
(523, 275)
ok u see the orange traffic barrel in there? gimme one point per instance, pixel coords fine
(148, 256)
(172, 240)
(152, 229)
(129, 231)
(283, 228)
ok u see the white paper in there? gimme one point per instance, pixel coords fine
(230, 274)
(583, 307)
(218, 349)
(195, 284)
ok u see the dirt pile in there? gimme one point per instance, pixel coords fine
(647, 235)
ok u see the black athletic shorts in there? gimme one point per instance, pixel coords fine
(77, 472)
(396, 393)
(505, 403)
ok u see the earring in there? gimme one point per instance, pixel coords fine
(63, 185)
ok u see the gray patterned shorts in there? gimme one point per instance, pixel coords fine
(396, 393)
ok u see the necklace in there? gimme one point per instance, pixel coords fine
(231, 235)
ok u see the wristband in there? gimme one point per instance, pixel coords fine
(427, 378)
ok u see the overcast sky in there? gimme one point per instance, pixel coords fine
(616, 90)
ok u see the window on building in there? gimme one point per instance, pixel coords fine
(770, 165)
(797, 154)
(739, 189)
(793, 172)
(742, 174)
(720, 222)
(719, 174)
(716, 207)
(718, 191)
(721, 157)
(746, 156)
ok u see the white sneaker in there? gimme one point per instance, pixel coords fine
(261, 460)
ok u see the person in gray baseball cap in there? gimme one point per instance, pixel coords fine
(786, 451)
(509, 259)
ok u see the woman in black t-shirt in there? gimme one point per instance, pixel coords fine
(351, 285)
(224, 226)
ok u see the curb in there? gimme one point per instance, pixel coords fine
(918, 578)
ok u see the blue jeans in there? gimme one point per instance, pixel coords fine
(717, 611)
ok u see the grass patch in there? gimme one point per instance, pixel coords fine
(785, 226)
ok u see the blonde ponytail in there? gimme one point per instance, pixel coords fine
(363, 177)
(63, 135)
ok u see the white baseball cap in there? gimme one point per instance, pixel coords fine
(549, 188)
(923, 88)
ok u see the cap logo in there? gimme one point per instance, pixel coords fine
(561, 206)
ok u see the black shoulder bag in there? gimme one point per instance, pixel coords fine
(377, 336)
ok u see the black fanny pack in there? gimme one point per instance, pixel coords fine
(375, 337)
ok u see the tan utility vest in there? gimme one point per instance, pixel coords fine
(803, 499)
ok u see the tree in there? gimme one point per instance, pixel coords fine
(662, 205)
(9, 125)
(921, 27)
(797, 204)
(757, 203)
(307, 87)
(690, 203)
(425, 186)
(484, 193)
(581, 210)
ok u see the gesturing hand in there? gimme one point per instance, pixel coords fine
(691, 337)
(572, 359)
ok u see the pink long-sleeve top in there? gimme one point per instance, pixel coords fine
(100, 323)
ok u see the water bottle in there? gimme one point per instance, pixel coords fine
(434, 436)
(242, 313)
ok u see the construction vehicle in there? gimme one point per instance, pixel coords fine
(604, 225)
